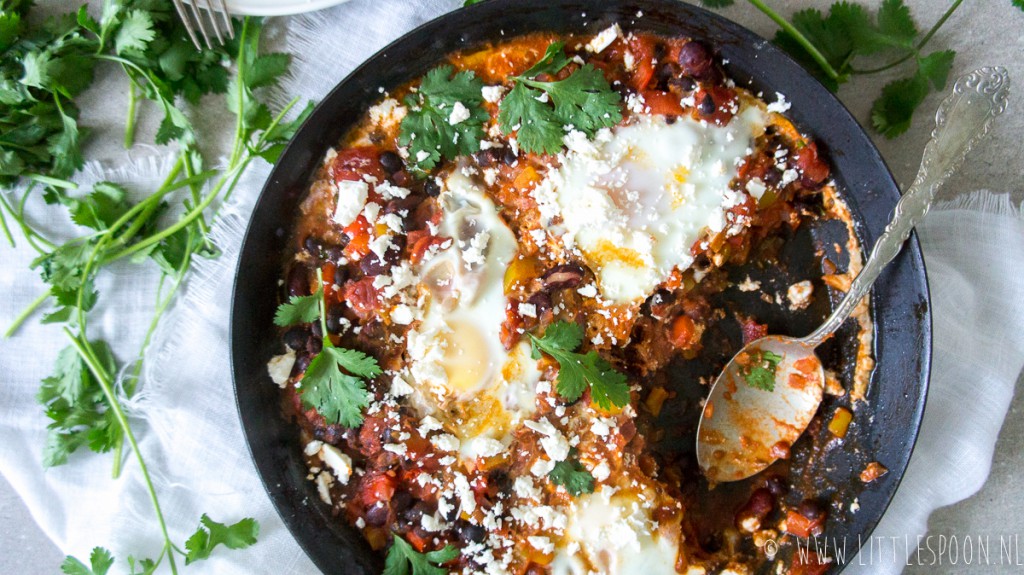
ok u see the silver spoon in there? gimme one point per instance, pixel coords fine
(744, 429)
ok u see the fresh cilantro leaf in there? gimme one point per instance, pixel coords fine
(1019, 4)
(267, 69)
(141, 566)
(571, 475)
(540, 112)
(100, 562)
(101, 208)
(135, 32)
(936, 66)
(77, 407)
(892, 112)
(299, 309)
(402, 557)
(210, 534)
(896, 23)
(759, 372)
(607, 386)
(339, 397)
(445, 118)
(471, 2)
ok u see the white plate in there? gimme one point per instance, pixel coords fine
(277, 7)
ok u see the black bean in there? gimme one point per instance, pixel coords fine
(377, 515)
(391, 162)
(509, 157)
(776, 485)
(684, 83)
(665, 73)
(431, 188)
(334, 316)
(302, 360)
(487, 158)
(415, 513)
(563, 276)
(401, 501)
(313, 245)
(394, 252)
(542, 301)
(399, 205)
(811, 509)
(296, 337)
(334, 253)
(695, 59)
(298, 281)
(469, 533)
(372, 265)
(706, 107)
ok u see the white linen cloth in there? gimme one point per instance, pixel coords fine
(185, 417)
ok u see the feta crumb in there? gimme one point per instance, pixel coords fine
(604, 39)
(601, 471)
(280, 367)
(799, 295)
(402, 314)
(445, 442)
(460, 113)
(492, 94)
(428, 424)
(589, 290)
(542, 544)
(749, 285)
(388, 113)
(396, 448)
(528, 310)
(339, 463)
(351, 197)
(756, 188)
(780, 105)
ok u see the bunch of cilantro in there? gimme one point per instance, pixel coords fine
(44, 67)
(851, 41)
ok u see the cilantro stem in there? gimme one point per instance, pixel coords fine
(799, 37)
(322, 304)
(949, 12)
(7, 230)
(31, 235)
(104, 382)
(24, 315)
(129, 125)
(51, 181)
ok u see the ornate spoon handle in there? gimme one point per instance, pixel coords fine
(962, 120)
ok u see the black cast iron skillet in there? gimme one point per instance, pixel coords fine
(888, 425)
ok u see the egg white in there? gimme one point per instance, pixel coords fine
(458, 359)
(634, 200)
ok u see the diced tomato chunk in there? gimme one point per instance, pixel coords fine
(801, 526)
(685, 334)
(642, 47)
(812, 168)
(354, 163)
(724, 102)
(378, 489)
(358, 233)
(752, 330)
(807, 562)
(665, 103)
(362, 297)
(419, 242)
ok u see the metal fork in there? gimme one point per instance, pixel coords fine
(201, 14)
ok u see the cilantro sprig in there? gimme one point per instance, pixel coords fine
(433, 128)
(199, 546)
(571, 475)
(43, 68)
(402, 559)
(576, 370)
(333, 382)
(540, 112)
(834, 46)
(759, 368)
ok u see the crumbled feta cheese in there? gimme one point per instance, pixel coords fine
(460, 113)
(280, 367)
(351, 198)
(756, 188)
(388, 113)
(554, 443)
(428, 424)
(402, 314)
(396, 448)
(542, 544)
(589, 290)
(749, 285)
(527, 310)
(445, 442)
(400, 387)
(601, 471)
(604, 39)
(339, 463)
(492, 94)
(799, 295)
(313, 447)
(780, 105)
(324, 481)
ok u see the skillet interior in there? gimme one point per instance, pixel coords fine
(900, 302)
